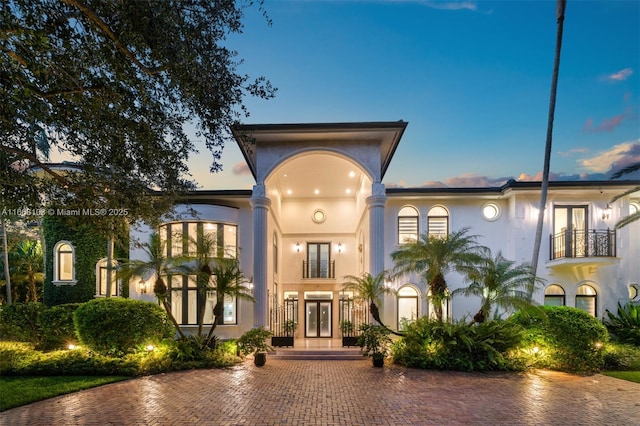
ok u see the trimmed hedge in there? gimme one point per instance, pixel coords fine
(116, 326)
(35, 323)
(568, 339)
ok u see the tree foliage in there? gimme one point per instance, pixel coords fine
(434, 257)
(111, 86)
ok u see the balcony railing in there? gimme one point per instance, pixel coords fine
(322, 269)
(581, 243)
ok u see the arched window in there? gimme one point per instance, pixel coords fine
(408, 225)
(554, 295)
(586, 299)
(438, 222)
(64, 257)
(101, 278)
(407, 305)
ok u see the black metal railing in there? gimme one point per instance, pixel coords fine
(322, 269)
(581, 243)
(352, 315)
(283, 322)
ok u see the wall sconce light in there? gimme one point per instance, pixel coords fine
(142, 287)
(606, 213)
(339, 247)
(298, 248)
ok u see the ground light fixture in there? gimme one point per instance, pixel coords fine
(150, 348)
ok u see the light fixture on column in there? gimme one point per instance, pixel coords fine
(142, 287)
(606, 213)
(298, 247)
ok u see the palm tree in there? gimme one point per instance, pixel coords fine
(26, 259)
(500, 284)
(228, 281)
(544, 185)
(433, 257)
(635, 216)
(157, 266)
(370, 289)
(214, 273)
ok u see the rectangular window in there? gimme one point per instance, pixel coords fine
(438, 226)
(230, 241)
(407, 229)
(103, 281)
(65, 265)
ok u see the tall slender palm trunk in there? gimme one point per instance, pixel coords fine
(5, 251)
(560, 9)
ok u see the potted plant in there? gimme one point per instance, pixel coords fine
(254, 341)
(375, 342)
(288, 327)
(349, 337)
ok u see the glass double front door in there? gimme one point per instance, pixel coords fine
(317, 318)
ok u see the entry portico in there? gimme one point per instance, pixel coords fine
(319, 201)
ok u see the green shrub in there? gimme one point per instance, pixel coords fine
(19, 322)
(620, 357)
(624, 326)
(567, 339)
(458, 346)
(56, 326)
(116, 326)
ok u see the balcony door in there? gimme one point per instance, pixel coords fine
(570, 231)
(318, 260)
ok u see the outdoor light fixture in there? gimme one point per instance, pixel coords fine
(149, 348)
(339, 247)
(298, 248)
(606, 212)
(142, 287)
(71, 346)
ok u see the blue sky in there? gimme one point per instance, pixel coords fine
(472, 78)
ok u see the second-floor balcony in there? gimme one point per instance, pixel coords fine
(582, 244)
(320, 269)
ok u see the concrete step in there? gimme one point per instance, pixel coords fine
(345, 354)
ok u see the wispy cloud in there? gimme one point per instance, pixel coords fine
(606, 125)
(240, 169)
(613, 159)
(451, 5)
(573, 151)
(620, 75)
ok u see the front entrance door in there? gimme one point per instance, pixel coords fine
(317, 318)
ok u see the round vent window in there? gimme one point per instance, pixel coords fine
(318, 216)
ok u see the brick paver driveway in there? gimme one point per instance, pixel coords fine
(342, 393)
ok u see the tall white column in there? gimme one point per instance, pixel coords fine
(260, 204)
(375, 204)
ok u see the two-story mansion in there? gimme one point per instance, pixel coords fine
(319, 210)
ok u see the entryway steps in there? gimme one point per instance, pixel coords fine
(317, 354)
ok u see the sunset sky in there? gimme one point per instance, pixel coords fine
(472, 78)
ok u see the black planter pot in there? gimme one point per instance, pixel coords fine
(348, 341)
(260, 359)
(378, 361)
(282, 341)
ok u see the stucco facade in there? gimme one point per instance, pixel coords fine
(319, 211)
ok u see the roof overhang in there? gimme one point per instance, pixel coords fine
(386, 134)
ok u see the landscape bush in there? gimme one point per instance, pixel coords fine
(57, 329)
(624, 325)
(566, 339)
(621, 357)
(19, 322)
(440, 345)
(116, 326)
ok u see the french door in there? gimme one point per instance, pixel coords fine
(317, 318)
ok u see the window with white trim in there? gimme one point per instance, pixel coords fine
(407, 305)
(554, 295)
(586, 299)
(101, 278)
(64, 270)
(438, 222)
(408, 225)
